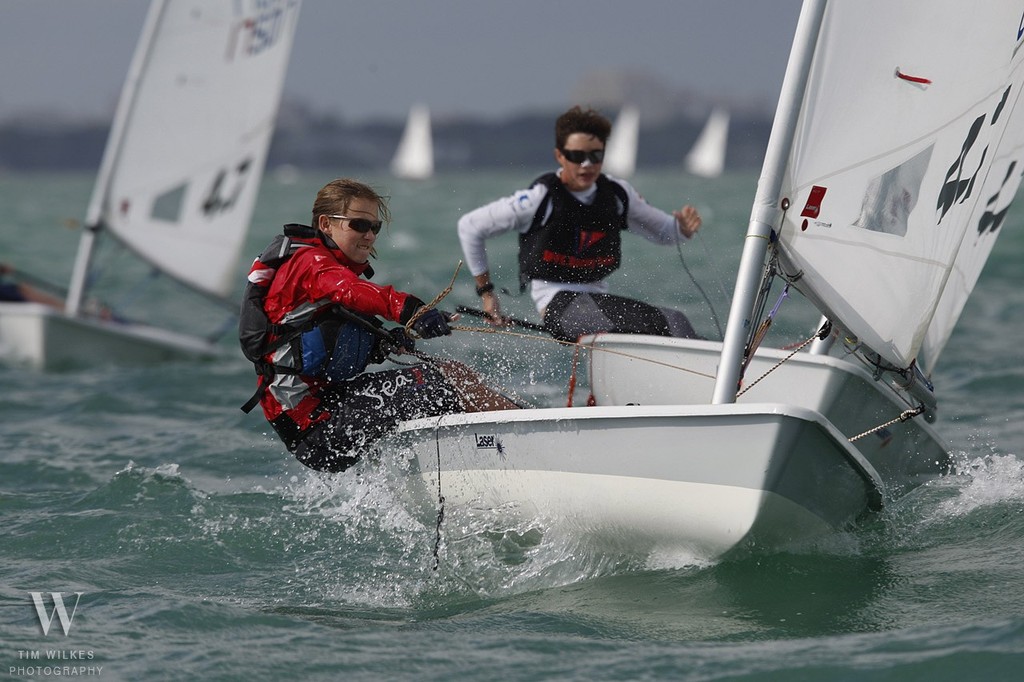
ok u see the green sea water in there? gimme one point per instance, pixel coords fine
(187, 544)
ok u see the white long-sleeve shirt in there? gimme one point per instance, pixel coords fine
(515, 214)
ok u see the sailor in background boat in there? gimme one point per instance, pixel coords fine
(20, 292)
(569, 224)
(309, 323)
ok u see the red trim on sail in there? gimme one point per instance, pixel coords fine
(912, 79)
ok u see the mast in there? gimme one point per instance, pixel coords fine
(766, 210)
(97, 205)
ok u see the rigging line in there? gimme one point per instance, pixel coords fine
(716, 271)
(707, 300)
(430, 306)
(440, 497)
(906, 415)
(778, 364)
(488, 330)
(762, 331)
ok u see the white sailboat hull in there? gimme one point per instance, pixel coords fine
(654, 467)
(43, 338)
(649, 370)
(698, 480)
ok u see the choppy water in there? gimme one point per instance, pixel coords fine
(203, 551)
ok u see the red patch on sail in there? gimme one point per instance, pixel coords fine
(588, 239)
(813, 206)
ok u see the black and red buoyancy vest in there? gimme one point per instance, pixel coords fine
(578, 242)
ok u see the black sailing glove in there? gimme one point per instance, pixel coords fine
(432, 324)
(397, 342)
(401, 341)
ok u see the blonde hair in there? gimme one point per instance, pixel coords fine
(335, 197)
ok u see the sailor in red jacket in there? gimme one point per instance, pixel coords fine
(325, 331)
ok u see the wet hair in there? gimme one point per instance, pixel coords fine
(336, 196)
(576, 120)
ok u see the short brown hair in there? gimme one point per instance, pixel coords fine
(576, 120)
(336, 196)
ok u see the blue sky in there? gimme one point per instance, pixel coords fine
(374, 58)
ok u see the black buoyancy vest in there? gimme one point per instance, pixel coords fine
(578, 242)
(258, 336)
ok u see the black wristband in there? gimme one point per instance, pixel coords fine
(412, 305)
(481, 290)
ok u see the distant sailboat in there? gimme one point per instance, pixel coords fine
(707, 158)
(620, 152)
(414, 159)
(179, 177)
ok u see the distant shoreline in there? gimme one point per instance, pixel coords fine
(312, 141)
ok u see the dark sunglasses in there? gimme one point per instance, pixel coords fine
(361, 225)
(579, 156)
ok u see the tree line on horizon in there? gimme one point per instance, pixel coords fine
(306, 141)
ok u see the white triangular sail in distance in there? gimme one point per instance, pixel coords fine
(896, 182)
(620, 152)
(186, 152)
(414, 159)
(707, 156)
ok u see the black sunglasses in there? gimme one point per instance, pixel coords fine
(361, 225)
(579, 156)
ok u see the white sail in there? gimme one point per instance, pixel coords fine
(414, 158)
(186, 154)
(620, 152)
(994, 199)
(707, 157)
(902, 163)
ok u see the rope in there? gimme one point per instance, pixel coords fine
(906, 415)
(575, 344)
(820, 334)
(572, 376)
(778, 364)
(440, 503)
(696, 284)
(762, 331)
(433, 304)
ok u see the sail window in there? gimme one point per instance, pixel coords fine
(167, 206)
(891, 197)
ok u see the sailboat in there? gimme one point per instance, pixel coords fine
(414, 158)
(179, 177)
(707, 156)
(620, 152)
(879, 203)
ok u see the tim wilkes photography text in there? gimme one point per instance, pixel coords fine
(66, 660)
